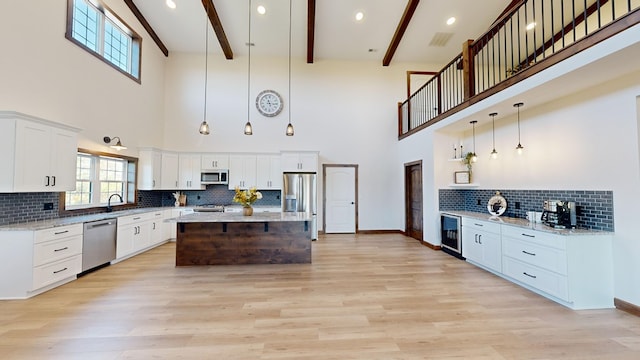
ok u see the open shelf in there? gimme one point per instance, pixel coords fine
(464, 186)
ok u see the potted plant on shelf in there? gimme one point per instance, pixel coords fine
(246, 198)
(468, 160)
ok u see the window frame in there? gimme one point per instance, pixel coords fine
(108, 15)
(62, 210)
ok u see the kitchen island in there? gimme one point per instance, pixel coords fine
(234, 239)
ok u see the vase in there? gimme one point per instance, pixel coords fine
(247, 211)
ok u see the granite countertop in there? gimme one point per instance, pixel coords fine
(239, 217)
(524, 223)
(72, 220)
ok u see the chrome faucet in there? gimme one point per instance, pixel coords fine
(109, 209)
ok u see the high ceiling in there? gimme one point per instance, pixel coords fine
(338, 36)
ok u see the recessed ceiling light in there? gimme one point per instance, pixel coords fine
(261, 10)
(359, 16)
(170, 4)
(451, 20)
(530, 26)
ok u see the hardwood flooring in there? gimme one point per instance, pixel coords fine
(363, 297)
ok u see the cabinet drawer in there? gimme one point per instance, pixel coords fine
(544, 257)
(50, 251)
(537, 237)
(48, 274)
(137, 218)
(474, 224)
(543, 280)
(59, 232)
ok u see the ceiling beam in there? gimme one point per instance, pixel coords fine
(134, 9)
(311, 29)
(217, 27)
(402, 27)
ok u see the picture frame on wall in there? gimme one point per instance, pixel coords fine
(462, 177)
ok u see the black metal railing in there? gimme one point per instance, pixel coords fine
(523, 37)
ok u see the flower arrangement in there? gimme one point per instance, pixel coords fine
(246, 197)
(468, 160)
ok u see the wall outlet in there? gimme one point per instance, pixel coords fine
(479, 202)
(517, 205)
(48, 206)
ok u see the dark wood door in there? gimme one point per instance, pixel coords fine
(413, 200)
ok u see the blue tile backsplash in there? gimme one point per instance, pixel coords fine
(23, 207)
(594, 207)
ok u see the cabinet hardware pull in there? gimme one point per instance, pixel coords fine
(136, 218)
(529, 275)
(48, 180)
(64, 248)
(528, 253)
(527, 235)
(61, 270)
(54, 181)
(61, 232)
(476, 224)
(154, 226)
(479, 239)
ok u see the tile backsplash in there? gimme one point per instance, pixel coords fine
(594, 207)
(24, 207)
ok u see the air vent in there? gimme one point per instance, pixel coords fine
(440, 39)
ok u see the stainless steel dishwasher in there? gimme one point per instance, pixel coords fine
(99, 243)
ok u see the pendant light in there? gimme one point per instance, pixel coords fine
(289, 131)
(474, 158)
(519, 148)
(204, 126)
(248, 129)
(494, 153)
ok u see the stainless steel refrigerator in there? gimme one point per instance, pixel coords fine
(299, 194)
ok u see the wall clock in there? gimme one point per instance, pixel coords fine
(269, 103)
(497, 204)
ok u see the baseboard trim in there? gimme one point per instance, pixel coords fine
(626, 307)
(430, 246)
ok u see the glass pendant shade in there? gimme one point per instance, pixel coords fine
(289, 130)
(248, 129)
(204, 128)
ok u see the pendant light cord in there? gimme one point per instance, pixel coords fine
(206, 63)
(289, 61)
(249, 68)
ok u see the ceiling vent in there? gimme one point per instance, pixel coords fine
(440, 39)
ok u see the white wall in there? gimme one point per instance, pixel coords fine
(45, 75)
(345, 110)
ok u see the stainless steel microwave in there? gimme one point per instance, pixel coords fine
(214, 177)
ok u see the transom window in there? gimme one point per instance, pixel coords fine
(98, 30)
(98, 177)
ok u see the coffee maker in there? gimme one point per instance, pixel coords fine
(559, 214)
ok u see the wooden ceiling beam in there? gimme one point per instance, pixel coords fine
(217, 27)
(136, 12)
(311, 29)
(402, 27)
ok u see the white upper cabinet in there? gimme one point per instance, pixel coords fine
(242, 171)
(269, 172)
(189, 172)
(299, 161)
(149, 166)
(169, 171)
(38, 155)
(215, 162)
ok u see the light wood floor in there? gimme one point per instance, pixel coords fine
(364, 297)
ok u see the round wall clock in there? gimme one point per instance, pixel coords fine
(269, 103)
(497, 204)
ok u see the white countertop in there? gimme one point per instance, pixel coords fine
(524, 223)
(221, 217)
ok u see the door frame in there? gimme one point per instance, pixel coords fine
(324, 191)
(407, 198)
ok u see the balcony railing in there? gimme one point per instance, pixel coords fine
(531, 37)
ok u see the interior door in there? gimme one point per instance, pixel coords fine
(340, 199)
(413, 200)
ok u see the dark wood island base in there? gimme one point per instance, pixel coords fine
(239, 243)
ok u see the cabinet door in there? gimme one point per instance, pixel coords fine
(471, 248)
(290, 162)
(491, 251)
(149, 165)
(269, 172)
(242, 171)
(124, 242)
(308, 162)
(169, 171)
(189, 172)
(142, 236)
(296, 162)
(64, 152)
(215, 162)
(33, 144)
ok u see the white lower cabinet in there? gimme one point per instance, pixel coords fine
(481, 243)
(39, 260)
(575, 270)
(133, 235)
